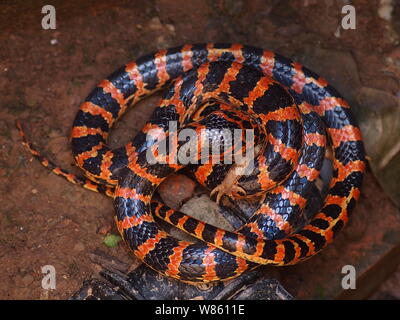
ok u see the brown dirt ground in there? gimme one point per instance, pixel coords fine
(45, 220)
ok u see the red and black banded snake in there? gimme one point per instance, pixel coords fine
(299, 112)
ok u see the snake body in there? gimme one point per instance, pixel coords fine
(295, 108)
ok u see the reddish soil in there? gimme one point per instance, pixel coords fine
(45, 75)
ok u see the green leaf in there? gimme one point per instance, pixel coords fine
(112, 240)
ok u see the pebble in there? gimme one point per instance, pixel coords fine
(204, 209)
(385, 9)
(176, 190)
(104, 229)
(155, 24)
(79, 247)
(170, 28)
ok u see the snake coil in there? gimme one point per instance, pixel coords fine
(214, 86)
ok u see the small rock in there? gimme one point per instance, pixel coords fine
(170, 28)
(104, 229)
(204, 209)
(379, 120)
(155, 24)
(79, 247)
(176, 190)
(385, 9)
